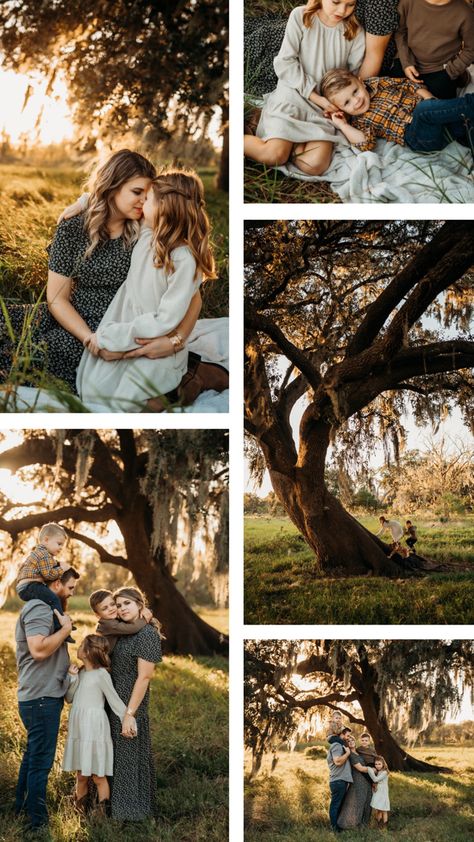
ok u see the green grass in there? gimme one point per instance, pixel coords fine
(189, 723)
(32, 198)
(282, 586)
(292, 803)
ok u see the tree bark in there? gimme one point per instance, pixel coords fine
(223, 174)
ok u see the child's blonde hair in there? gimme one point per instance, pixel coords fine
(383, 761)
(351, 24)
(334, 81)
(180, 220)
(50, 529)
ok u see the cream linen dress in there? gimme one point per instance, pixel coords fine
(150, 303)
(380, 799)
(305, 56)
(89, 748)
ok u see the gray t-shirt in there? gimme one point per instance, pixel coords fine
(338, 773)
(39, 678)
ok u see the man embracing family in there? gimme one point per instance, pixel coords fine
(108, 743)
(358, 779)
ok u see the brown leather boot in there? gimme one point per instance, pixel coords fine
(213, 376)
(199, 377)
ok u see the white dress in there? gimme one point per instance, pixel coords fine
(380, 799)
(89, 746)
(149, 303)
(306, 54)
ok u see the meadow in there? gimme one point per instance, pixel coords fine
(292, 802)
(32, 198)
(283, 586)
(189, 724)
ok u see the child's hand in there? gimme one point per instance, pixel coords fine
(73, 669)
(328, 107)
(412, 73)
(338, 118)
(71, 210)
(147, 614)
(91, 344)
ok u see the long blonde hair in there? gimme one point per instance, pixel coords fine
(181, 219)
(351, 24)
(104, 182)
(140, 599)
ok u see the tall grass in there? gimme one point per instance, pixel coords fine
(189, 727)
(282, 585)
(292, 804)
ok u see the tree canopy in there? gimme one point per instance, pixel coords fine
(362, 320)
(378, 685)
(154, 66)
(167, 491)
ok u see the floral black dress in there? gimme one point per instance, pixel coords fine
(133, 789)
(96, 280)
(355, 810)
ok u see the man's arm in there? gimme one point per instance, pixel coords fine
(42, 646)
(341, 759)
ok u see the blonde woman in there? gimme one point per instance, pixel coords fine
(169, 261)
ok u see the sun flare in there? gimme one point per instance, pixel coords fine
(29, 113)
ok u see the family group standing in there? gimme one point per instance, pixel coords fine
(114, 747)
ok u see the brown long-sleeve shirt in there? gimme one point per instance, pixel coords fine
(434, 37)
(113, 629)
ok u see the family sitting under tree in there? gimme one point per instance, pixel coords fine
(338, 58)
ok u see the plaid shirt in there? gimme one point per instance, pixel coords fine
(392, 102)
(40, 562)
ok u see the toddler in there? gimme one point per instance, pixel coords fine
(398, 110)
(412, 536)
(40, 566)
(89, 749)
(435, 42)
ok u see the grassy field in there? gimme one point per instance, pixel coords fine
(189, 722)
(32, 199)
(281, 585)
(292, 803)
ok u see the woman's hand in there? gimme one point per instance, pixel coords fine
(73, 669)
(412, 73)
(71, 210)
(110, 356)
(91, 344)
(153, 349)
(129, 726)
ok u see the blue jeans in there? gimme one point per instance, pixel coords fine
(41, 719)
(37, 590)
(338, 791)
(436, 122)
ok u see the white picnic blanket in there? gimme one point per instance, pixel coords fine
(210, 339)
(395, 173)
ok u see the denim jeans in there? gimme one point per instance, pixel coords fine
(338, 791)
(41, 719)
(436, 122)
(37, 590)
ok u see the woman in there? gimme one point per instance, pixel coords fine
(133, 661)
(355, 808)
(89, 259)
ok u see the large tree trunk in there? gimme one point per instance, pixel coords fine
(186, 633)
(223, 174)
(342, 546)
(397, 758)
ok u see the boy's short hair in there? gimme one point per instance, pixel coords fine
(366, 734)
(97, 597)
(50, 529)
(334, 81)
(409, 521)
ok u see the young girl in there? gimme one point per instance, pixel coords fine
(320, 36)
(380, 801)
(89, 750)
(169, 261)
(435, 42)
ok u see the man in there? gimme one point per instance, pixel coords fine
(42, 662)
(340, 776)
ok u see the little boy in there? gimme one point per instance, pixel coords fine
(40, 566)
(366, 750)
(411, 532)
(103, 605)
(397, 110)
